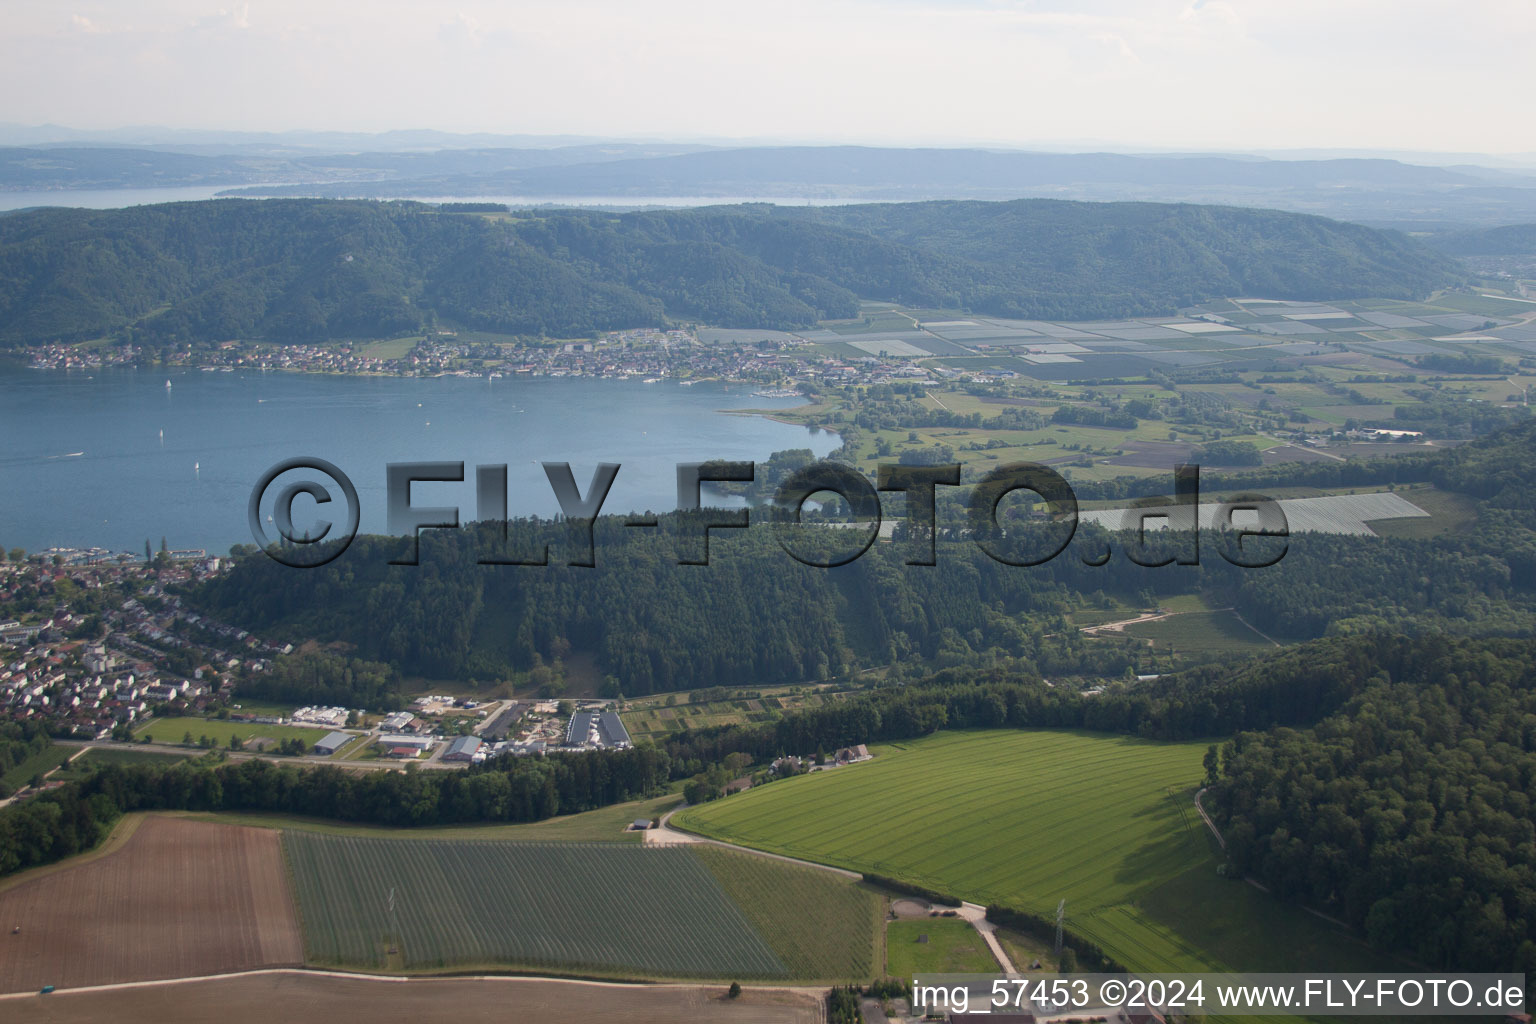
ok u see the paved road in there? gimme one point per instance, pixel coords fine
(247, 755)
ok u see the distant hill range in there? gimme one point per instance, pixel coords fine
(1377, 191)
(303, 270)
(1511, 240)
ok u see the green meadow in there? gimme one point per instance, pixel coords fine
(1027, 818)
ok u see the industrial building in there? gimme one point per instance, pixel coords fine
(463, 749)
(405, 746)
(590, 729)
(332, 742)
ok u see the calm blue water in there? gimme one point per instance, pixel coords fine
(223, 430)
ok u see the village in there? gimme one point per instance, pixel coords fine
(781, 362)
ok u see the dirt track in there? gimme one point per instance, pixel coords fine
(179, 899)
(301, 996)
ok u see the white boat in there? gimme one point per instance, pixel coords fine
(167, 385)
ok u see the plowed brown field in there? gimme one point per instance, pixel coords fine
(272, 998)
(179, 899)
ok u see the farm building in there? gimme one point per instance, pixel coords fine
(332, 742)
(463, 749)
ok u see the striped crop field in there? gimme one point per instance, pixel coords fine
(821, 924)
(600, 908)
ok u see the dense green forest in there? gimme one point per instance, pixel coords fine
(308, 270)
(1408, 811)
(755, 614)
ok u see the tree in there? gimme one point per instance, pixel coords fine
(1068, 962)
(18, 555)
(1212, 764)
(734, 991)
(149, 555)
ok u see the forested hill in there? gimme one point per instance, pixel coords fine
(1509, 240)
(308, 270)
(754, 613)
(1407, 812)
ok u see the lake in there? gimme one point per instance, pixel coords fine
(113, 458)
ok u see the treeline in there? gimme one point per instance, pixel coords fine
(1092, 416)
(18, 742)
(293, 270)
(1408, 812)
(1295, 687)
(1464, 363)
(1229, 453)
(1444, 417)
(74, 817)
(1256, 694)
(324, 677)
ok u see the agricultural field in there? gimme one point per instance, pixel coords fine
(1267, 373)
(175, 899)
(1214, 632)
(296, 995)
(822, 925)
(93, 758)
(655, 719)
(174, 730)
(608, 909)
(390, 348)
(1448, 512)
(953, 946)
(1026, 818)
(604, 825)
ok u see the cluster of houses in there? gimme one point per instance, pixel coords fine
(73, 357)
(88, 694)
(794, 765)
(86, 686)
(648, 353)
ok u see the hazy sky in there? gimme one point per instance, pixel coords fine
(1216, 74)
